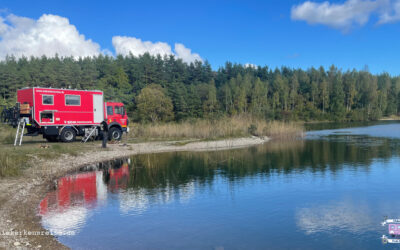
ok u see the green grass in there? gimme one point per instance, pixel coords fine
(11, 163)
(7, 134)
(13, 160)
(227, 127)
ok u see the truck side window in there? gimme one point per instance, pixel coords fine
(110, 110)
(47, 99)
(46, 116)
(119, 110)
(73, 100)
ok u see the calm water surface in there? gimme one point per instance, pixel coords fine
(329, 191)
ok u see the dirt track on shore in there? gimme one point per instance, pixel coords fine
(20, 196)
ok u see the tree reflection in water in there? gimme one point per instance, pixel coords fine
(276, 175)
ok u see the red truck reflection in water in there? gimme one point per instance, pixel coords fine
(79, 189)
(84, 189)
(118, 178)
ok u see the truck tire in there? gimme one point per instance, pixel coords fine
(51, 138)
(114, 134)
(68, 135)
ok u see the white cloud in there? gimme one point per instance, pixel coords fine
(3, 26)
(124, 45)
(49, 35)
(341, 16)
(391, 14)
(186, 54)
(348, 14)
(250, 65)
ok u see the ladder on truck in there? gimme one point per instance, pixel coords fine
(91, 133)
(20, 132)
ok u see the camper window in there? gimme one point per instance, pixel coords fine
(46, 117)
(73, 100)
(47, 99)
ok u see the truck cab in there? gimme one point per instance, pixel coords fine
(117, 119)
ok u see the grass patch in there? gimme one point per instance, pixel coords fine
(13, 160)
(7, 134)
(11, 163)
(391, 118)
(237, 126)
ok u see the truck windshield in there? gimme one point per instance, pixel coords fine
(119, 110)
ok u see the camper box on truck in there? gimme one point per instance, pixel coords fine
(62, 114)
(59, 107)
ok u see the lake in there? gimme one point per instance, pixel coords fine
(331, 190)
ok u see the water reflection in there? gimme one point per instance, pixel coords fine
(390, 130)
(319, 126)
(66, 209)
(339, 215)
(315, 156)
(334, 184)
(136, 201)
(116, 175)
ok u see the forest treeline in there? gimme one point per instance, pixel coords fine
(158, 88)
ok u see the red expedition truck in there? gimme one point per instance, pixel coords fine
(63, 114)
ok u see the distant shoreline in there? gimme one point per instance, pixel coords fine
(390, 118)
(19, 212)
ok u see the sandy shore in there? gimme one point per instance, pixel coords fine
(19, 197)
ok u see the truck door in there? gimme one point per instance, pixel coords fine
(98, 112)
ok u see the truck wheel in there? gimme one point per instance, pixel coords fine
(51, 138)
(68, 135)
(114, 134)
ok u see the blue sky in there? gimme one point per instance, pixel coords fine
(256, 32)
